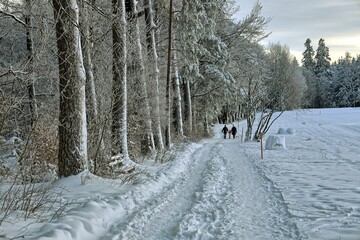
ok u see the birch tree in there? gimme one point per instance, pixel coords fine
(72, 117)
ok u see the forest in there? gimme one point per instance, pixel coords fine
(101, 85)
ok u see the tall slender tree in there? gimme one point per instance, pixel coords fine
(97, 150)
(152, 52)
(119, 101)
(168, 78)
(148, 138)
(30, 49)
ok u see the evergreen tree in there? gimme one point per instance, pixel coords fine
(322, 73)
(345, 83)
(308, 56)
(322, 59)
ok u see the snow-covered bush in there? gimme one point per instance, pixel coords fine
(38, 160)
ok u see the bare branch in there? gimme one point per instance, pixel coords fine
(14, 17)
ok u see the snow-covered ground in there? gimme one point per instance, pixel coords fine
(221, 189)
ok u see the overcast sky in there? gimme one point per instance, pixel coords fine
(293, 21)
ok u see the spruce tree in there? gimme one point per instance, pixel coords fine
(322, 72)
(322, 59)
(308, 56)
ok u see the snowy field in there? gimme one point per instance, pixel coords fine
(221, 189)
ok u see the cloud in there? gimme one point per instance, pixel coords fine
(338, 22)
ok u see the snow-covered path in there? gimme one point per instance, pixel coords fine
(221, 196)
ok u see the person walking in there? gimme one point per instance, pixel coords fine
(233, 131)
(224, 130)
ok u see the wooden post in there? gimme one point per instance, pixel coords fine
(242, 135)
(261, 146)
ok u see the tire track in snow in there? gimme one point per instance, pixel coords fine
(207, 219)
(159, 217)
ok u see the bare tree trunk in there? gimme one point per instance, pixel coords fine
(151, 41)
(119, 111)
(96, 141)
(149, 135)
(179, 120)
(188, 109)
(168, 79)
(72, 129)
(250, 122)
(194, 129)
(30, 49)
(89, 68)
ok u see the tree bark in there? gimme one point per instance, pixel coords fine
(72, 118)
(188, 108)
(30, 49)
(168, 79)
(179, 119)
(149, 135)
(119, 110)
(151, 42)
(96, 142)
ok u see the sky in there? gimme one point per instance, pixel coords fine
(293, 21)
(306, 188)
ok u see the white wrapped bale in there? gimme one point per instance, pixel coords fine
(275, 141)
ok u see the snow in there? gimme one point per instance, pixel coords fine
(221, 189)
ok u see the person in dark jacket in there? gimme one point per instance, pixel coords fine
(225, 131)
(233, 131)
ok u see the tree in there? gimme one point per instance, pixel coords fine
(168, 79)
(308, 56)
(147, 138)
(247, 65)
(31, 82)
(119, 109)
(152, 52)
(322, 72)
(285, 87)
(345, 83)
(205, 55)
(97, 151)
(72, 117)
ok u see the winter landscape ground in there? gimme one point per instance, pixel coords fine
(221, 189)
